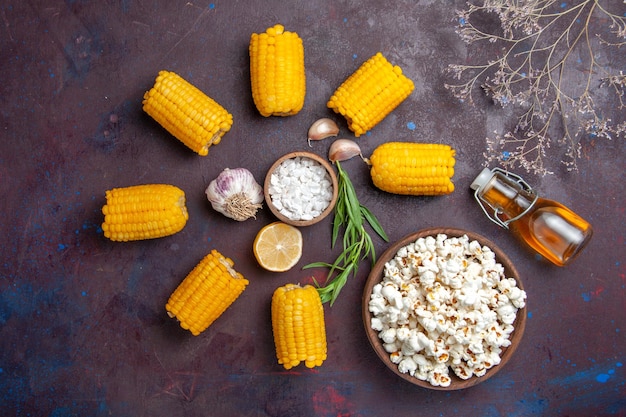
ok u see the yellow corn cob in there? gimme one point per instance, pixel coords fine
(277, 72)
(144, 212)
(186, 112)
(413, 168)
(209, 289)
(370, 94)
(298, 326)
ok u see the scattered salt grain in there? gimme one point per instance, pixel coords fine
(300, 188)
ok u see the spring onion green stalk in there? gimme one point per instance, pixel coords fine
(351, 216)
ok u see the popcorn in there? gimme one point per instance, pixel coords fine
(444, 305)
(388, 335)
(407, 365)
(392, 295)
(377, 324)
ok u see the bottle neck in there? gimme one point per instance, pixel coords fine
(506, 196)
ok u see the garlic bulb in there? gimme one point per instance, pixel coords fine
(235, 194)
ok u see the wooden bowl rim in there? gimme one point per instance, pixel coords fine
(375, 276)
(333, 178)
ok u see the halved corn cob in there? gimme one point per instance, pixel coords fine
(186, 112)
(144, 212)
(277, 72)
(298, 326)
(413, 168)
(370, 94)
(209, 289)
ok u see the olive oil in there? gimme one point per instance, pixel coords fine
(551, 229)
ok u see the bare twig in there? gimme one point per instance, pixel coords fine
(550, 64)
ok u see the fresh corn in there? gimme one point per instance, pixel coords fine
(413, 168)
(277, 72)
(144, 212)
(209, 289)
(370, 94)
(298, 326)
(186, 112)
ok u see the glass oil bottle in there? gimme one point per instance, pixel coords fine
(548, 227)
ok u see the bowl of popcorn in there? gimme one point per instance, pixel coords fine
(301, 188)
(444, 308)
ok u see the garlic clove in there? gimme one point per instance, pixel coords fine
(344, 149)
(322, 128)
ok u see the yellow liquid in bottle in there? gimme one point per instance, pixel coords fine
(553, 231)
(548, 227)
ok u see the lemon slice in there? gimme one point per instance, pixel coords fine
(278, 246)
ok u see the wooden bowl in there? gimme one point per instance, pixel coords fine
(333, 179)
(376, 276)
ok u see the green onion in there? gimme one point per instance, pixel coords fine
(351, 216)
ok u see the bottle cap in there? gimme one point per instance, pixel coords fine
(482, 179)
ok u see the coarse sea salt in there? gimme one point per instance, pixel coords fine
(300, 188)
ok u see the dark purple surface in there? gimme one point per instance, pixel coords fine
(83, 325)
